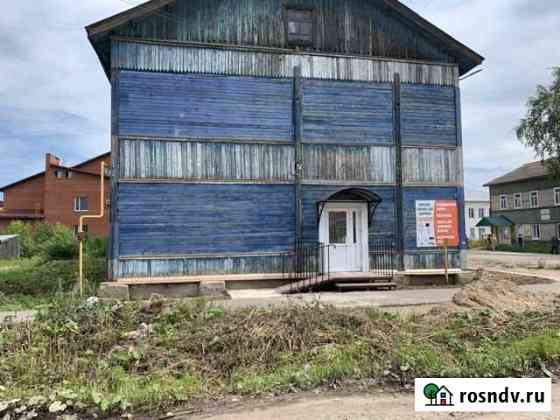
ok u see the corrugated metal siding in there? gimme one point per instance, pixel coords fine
(175, 219)
(343, 26)
(375, 164)
(155, 159)
(190, 59)
(432, 166)
(167, 105)
(412, 194)
(170, 267)
(428, 115)
(10, 246)
(347, 112)
(384, 219)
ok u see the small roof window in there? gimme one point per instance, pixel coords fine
(299, 26)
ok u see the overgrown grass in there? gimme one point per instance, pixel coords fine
(36, 278)
(197, 351)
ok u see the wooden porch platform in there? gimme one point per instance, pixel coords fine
(339, 279)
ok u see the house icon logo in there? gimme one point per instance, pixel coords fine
(438, 396)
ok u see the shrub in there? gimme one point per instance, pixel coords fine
(96, 247)
(529, 247)
(478, 244)
(59, 243)
(38, 278)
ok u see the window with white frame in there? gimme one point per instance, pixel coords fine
(80, 204)
(536, 232)
(473, 234)
(471, 213)
(557, 196)
(534, 199)
(517, 201)
(481, 212)
(503, 202)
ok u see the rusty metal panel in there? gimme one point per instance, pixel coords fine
(373, 164)
(177, 58)
(186, 160)
(432, 166)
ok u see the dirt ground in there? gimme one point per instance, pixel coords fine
(539, 264)
(370, 406)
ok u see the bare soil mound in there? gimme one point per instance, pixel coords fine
(498, 294)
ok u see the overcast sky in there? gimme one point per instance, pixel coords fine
(54, 96)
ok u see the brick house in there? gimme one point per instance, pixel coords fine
(59, 194)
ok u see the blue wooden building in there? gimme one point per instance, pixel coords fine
(242, 129)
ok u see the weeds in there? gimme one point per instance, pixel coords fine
(111, 358)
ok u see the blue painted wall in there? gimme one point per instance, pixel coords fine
(182, 105)
(428, 115)
(412, 194)
(347, 112)
(384, 219)
(173, 219)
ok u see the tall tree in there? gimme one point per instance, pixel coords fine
(540, 129)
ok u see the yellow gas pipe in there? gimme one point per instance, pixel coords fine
(81, 227)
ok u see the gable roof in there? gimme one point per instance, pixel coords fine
(444, 388)
(73, 168)
(99, 32)
(527, 171)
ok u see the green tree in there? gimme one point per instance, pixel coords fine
(540, 129)
(430, 392)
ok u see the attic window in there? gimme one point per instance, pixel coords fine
(299, 26)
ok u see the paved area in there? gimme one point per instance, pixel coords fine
(378, 406)
(486, 259)
(405, 297)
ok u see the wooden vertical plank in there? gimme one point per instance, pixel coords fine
(399, 218)
(299, 157)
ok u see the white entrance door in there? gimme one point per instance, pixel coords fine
(344, 227)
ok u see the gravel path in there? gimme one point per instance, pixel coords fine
(378, 406)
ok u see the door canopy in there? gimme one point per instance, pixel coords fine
(352, 195)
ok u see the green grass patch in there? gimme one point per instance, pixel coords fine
(528, 247)
(26, 280)
(196, 351)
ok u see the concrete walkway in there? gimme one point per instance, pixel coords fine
(406, 297)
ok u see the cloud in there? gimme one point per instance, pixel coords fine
(55, 97)
(519, 39)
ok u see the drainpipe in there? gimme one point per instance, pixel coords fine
(81, 227)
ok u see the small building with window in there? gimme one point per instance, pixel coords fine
(475, 211)
(529, 198)
(59, 194)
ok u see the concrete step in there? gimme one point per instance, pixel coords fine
(366, 286)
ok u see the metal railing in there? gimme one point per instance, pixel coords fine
(382, 258)
(307, 266)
